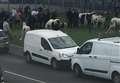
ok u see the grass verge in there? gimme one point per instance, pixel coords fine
(79, 35)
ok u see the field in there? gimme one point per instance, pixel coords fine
(79, 34)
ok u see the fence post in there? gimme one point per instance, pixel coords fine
(22, 3)
(63, 5)
(8, 5)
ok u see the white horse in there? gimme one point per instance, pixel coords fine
(34, 12)
(81, 14)
(114, 25)
(83, 17)
(115, 21)
(25, 29)
(49, 24)
(54, 24)
(97, 19)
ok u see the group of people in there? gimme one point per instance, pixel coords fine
(29, 18)
(40, 17)
(72, 16)
(91, 19)
(35, 18)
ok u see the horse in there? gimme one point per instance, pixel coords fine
(114, 25)
(54, 24)
(25, 29)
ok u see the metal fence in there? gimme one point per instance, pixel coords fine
(83, 4)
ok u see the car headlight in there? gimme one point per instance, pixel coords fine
(63, 55)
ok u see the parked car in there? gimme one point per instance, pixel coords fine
(50, 47)
(98, 57)
(4, 42)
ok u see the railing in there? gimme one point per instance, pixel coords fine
(86, 4)
(108, 35)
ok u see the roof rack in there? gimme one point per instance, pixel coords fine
(117, 42)
(105, 35)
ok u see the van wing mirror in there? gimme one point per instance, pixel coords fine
(50, 49)
(78, 50)
(46, 49)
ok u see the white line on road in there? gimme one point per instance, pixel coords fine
(24, 77)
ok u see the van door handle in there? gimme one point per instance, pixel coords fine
(90, 56)
(95, 57)
(40, 49)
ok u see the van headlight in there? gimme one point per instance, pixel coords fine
(62, 55)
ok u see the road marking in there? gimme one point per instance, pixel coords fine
(39, 81)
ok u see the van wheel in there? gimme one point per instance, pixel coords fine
(116, 78)
(77, 70)
(28, 58)
(54, 64)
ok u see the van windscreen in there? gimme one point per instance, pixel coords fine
(62, 42)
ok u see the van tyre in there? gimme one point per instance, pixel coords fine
(54, 64)
(77, 71)
(116, 78)
(28, 58)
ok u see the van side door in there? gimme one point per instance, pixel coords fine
(102, 55)
(45, 51)
(42, 51)
(85, 57)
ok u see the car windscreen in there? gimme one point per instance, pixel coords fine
(2, 34)
(62, 42)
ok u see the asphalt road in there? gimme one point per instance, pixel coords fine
(16, 70)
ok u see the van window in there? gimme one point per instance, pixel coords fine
(45, 44)
(62, 42)
(86, 48)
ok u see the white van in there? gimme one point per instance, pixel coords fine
(49, 46)
(99, 57)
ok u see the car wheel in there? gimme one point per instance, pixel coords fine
(116, 78)
(77, 70)
(54, 64)
(28, 58)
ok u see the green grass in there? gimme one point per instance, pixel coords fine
(15, 34)
(79, 35)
